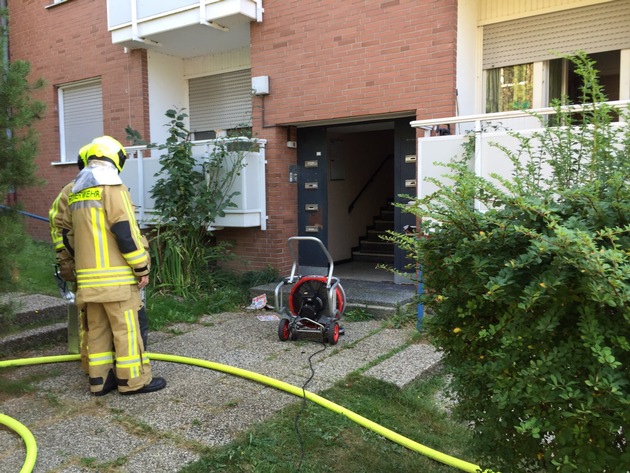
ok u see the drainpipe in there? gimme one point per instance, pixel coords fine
(5, 53)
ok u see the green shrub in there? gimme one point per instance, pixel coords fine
(188, 200)
(531, 298)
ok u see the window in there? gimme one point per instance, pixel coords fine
(509, 88)
(220, 102)
(80, 116)
(563, 81)
(514, 87)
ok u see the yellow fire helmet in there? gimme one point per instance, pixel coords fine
(83, 155)
(109, 149)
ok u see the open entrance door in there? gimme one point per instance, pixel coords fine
(349, 176)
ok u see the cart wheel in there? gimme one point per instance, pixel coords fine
(284, 330)
(332, 333)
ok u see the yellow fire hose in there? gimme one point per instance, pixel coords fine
(31, 447)
(29, 441)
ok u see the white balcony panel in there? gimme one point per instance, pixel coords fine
(436, 151)
(183, 28)
(142, 166)
(433, 154)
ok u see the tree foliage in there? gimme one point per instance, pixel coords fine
(18, 112)
(18, 146)
(530, 298)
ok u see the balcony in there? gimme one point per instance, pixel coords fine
(142, 169)
(490, 131)
(183, 28)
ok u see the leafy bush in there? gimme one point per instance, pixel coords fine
(188, 200)
(531, 297)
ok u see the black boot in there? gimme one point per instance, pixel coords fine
(109, 385)
(155, 385)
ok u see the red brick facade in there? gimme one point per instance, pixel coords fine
(331, 60)
(327, 60)
(67, 43)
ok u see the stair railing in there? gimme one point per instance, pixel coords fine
(369, 181)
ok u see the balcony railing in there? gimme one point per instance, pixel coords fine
(184, 28)
(434, 151)
(143, 166)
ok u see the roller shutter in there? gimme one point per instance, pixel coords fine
(596, 28)
(82, 116)
(221, 101)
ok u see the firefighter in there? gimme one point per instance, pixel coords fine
(65, 262)
(101, 233)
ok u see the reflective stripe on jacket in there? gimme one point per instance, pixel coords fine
(55, 216)
(106, 242)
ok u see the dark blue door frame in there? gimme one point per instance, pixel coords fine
(312, 181)
(312, 193)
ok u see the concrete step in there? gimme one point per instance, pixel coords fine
(38, 320)
(383, 225)
(376, 258)
(378, 298)
(384, 247)
(32, 310)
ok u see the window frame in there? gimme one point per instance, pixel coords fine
(542, 81)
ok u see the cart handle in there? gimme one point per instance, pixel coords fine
(293, 249)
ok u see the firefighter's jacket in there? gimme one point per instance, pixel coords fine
(55, 216)
(65, 262)
(104, 237)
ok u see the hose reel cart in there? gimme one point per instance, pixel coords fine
(316, 303)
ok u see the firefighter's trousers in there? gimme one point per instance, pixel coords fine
(114, 342)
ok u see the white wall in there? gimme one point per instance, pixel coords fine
(468, 60)
(360, 154)
(167, 89)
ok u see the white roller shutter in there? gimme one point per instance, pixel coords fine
(221, 101)
(81, 110)
(596, 28)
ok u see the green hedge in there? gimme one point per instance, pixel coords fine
(530, 298)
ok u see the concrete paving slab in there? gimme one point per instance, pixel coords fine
(199, 408)
(407, 366)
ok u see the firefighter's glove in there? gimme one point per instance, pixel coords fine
(66, 266)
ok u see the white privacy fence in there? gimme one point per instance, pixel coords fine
(142, 168)
(434, 151)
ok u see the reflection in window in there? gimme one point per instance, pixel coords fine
(509, 88)
(566, 85)
(564, 82)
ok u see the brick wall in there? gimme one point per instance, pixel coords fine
(332, 60)
(66, 43)
(328, 59)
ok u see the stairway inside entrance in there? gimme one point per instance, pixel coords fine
(372, 248)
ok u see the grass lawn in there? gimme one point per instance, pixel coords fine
(308, 438)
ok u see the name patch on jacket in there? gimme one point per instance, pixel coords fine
(85, 194)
